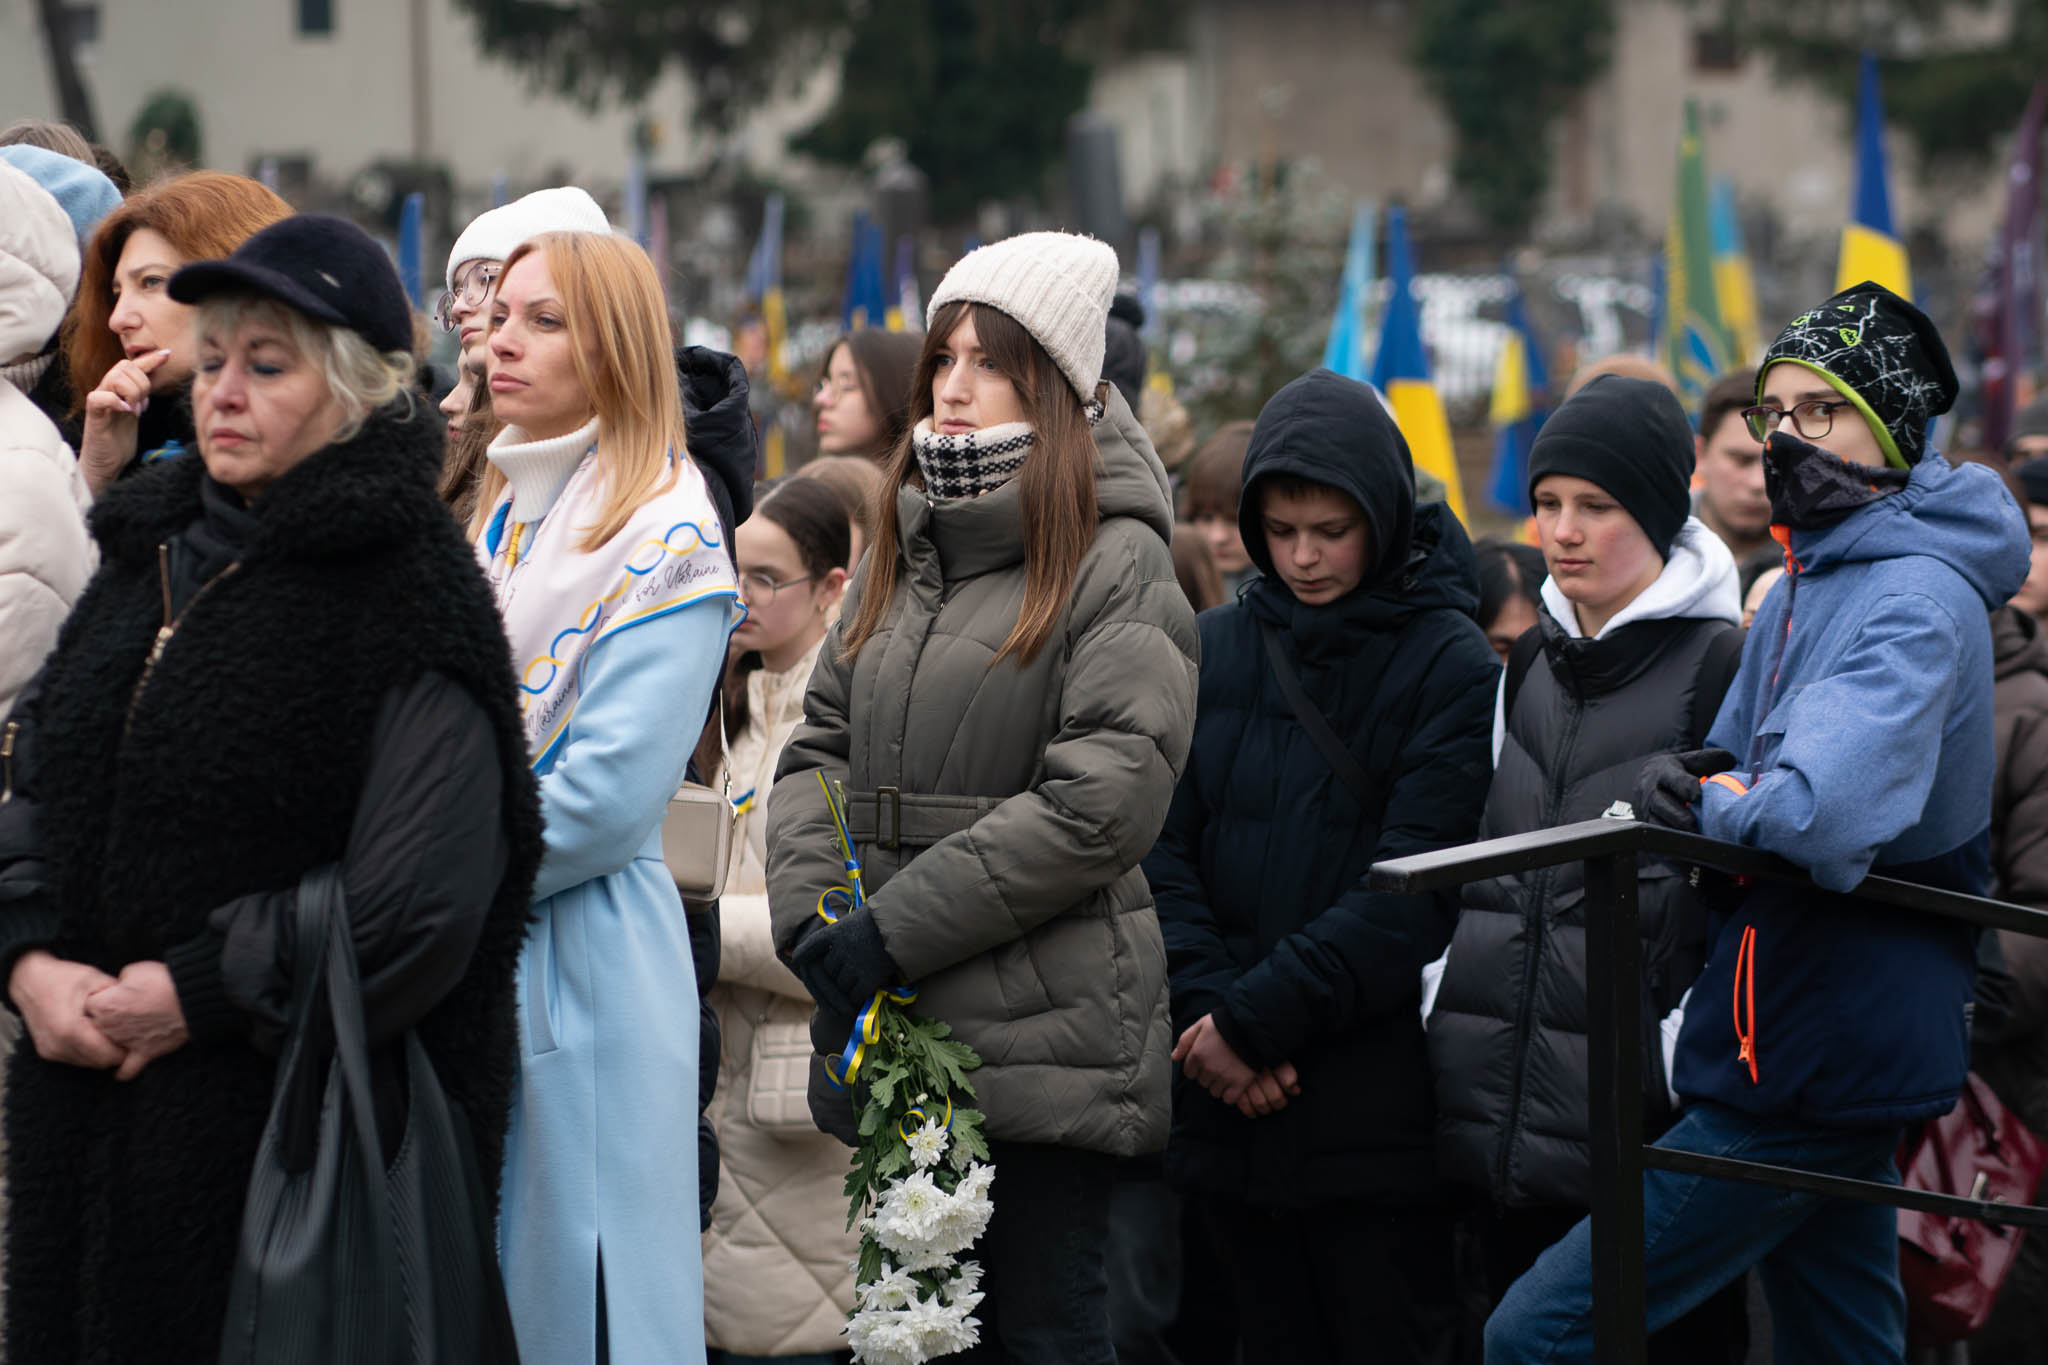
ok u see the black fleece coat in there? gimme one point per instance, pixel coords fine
(1260, 872)
(235, 765)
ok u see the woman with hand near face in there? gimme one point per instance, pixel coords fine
(602, 544)
(287, 661)
(129, 344)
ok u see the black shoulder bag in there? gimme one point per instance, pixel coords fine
(344, 1258)
(1316, 723)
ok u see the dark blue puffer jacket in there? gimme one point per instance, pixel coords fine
(1861, 719)
(1259, 875)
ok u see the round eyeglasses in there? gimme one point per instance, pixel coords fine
(472, 287)
(761, 587)
(1812, 419)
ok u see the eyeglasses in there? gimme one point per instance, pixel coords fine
(472, 287)
(758, 586)
(1812, 419)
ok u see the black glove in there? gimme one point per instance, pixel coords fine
(1668, 786)
(843, 964)
(832, 1110)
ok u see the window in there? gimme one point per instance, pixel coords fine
(316, 18)
(85, 24)
(1715, 49)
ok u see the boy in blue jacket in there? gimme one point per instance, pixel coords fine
(1855, 739)
(1302, 1119)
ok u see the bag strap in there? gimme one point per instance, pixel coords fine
(1312, 720)
(1521, 658)
(1717, 670)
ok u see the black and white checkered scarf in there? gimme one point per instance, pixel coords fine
(976, 462)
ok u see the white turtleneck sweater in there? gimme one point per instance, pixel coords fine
(538, 471)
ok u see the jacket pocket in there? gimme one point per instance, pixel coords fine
(1018, 979)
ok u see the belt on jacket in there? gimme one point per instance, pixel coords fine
(889, 817)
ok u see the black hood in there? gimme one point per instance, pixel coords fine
(720, 430)
(1334, 430)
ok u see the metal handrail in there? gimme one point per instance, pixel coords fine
(1610, 849)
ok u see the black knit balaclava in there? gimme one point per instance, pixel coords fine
(1882, 354)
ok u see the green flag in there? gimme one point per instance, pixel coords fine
(1696, 345)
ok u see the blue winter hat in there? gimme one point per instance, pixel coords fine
(85, 195)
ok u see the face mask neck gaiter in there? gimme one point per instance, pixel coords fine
(1811, 489)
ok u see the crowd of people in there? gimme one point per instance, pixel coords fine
(1116, 739)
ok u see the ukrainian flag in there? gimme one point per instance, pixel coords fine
(1520, 385)
(1401, 371)
(1870, 249)
(1695, 345)
(867, 300)
(1345, 350)
(1734, 285)
(764, 286)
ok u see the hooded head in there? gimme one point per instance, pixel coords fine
(1333, 431)
(1631, 438)
(38, 264)
(1881, 354)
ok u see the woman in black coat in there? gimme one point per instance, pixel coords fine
(288, 660)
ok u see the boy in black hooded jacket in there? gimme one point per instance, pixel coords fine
(1302, 1114)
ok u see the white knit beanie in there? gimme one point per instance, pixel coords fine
(1056, 284)
(494, 235)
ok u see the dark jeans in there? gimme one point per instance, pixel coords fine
(1143, 1263)
(1042, 1259)
(1715, 1333)
(1341, 1282)
(1829, 1267)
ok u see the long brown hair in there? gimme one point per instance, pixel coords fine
(624, 354)
(462, 473)
(1056, 484)
(204, 215)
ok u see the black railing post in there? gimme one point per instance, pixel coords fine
(1615, 1072)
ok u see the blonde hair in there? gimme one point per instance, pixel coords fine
(361, 378)
(624, 354)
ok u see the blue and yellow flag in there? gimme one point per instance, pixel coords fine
(764, 287)
(1694, 346)
(1345, 350)
(1401, 371)
(867, 298)
(1734, 285)
(1871, 250)
(1521, 383)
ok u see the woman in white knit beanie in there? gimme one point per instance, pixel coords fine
(1007, 703)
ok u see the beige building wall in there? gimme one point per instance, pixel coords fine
(352, 97)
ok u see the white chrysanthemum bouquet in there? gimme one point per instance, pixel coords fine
(920, 1180)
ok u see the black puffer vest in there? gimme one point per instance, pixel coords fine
(1507, 1038)
(232, 768)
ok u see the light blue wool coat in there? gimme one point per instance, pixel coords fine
(601, 1159)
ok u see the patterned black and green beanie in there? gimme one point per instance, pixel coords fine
(1882, 354)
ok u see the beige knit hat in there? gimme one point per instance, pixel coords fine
(1057, 285)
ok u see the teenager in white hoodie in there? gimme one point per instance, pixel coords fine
(45, 555)
(1631, 654)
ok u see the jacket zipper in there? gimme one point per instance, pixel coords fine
(170, 626)
(1745, 1003)
(1532, 920)
(7, 761)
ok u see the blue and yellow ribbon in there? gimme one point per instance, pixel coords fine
(833, 902)
(867, 1029)
(916, 1117)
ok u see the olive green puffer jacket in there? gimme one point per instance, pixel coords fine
(1001, 810)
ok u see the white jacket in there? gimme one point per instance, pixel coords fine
(45, 554)
(776, 1276)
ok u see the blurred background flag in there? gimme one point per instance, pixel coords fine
(1345, 350)
(1870, 249)
(1148, 277)
(1695, 345)
(2008, 307)
(1734, 284)
(1400, 370)
(906, 314)
(867, 301)
(764, 284)
(1521, 383)
(412, 229)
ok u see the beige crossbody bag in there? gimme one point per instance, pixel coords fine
(696, 832)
